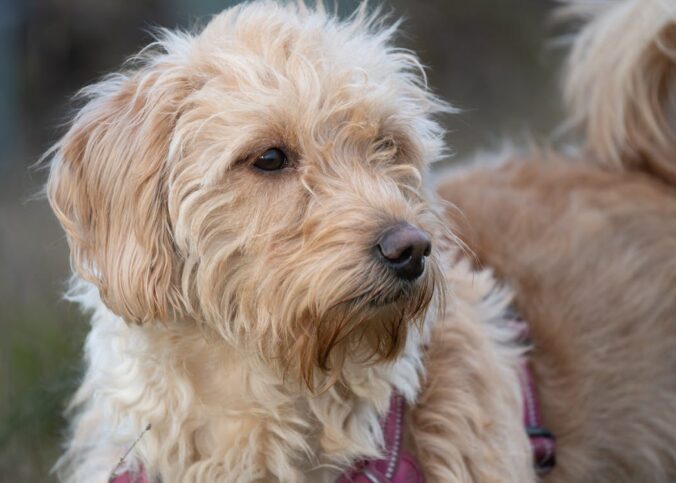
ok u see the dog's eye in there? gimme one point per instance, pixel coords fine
(271, 160)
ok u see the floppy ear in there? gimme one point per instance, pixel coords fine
(621, 82)
(108, 188)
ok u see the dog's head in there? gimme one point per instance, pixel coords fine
(264, 179)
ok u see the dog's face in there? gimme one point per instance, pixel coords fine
(264, 179)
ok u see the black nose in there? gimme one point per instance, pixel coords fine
(403, 248)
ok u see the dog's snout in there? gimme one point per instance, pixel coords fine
(403, 248)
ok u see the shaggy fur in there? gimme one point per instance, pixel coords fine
(243, 315)
(588, 244)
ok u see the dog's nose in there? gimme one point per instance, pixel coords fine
(403, 248)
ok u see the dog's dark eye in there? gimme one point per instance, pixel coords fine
(271, 160)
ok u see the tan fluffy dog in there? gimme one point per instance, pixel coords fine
(588, 242)
(224, 200)
(230, 202)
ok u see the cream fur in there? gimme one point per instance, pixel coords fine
(243, 314)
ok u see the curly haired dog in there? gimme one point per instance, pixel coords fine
(252, 231)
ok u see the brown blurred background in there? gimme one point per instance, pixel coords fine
(493, 58)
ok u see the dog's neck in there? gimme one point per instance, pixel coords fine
(213, 409)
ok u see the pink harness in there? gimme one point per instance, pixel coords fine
(542, 441)
(398, 466)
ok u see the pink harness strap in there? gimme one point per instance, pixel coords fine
(130, 477)
(542, 441)
(397, 466)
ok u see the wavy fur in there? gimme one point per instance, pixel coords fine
(620, 83)
(242, 314)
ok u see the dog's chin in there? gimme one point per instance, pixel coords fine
(370, 326)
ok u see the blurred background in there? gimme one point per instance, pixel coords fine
(493, 58)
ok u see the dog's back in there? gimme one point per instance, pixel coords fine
(588, 244)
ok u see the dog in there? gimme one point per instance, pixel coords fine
(586, 238)
(268, 267)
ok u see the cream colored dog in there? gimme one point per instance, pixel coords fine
(250, 230)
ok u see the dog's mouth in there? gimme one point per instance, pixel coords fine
(390, 293)
(381, 296)
(391, 296)
(384, 302)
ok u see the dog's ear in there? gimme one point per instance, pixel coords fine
(108, 188)
(621, 82)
